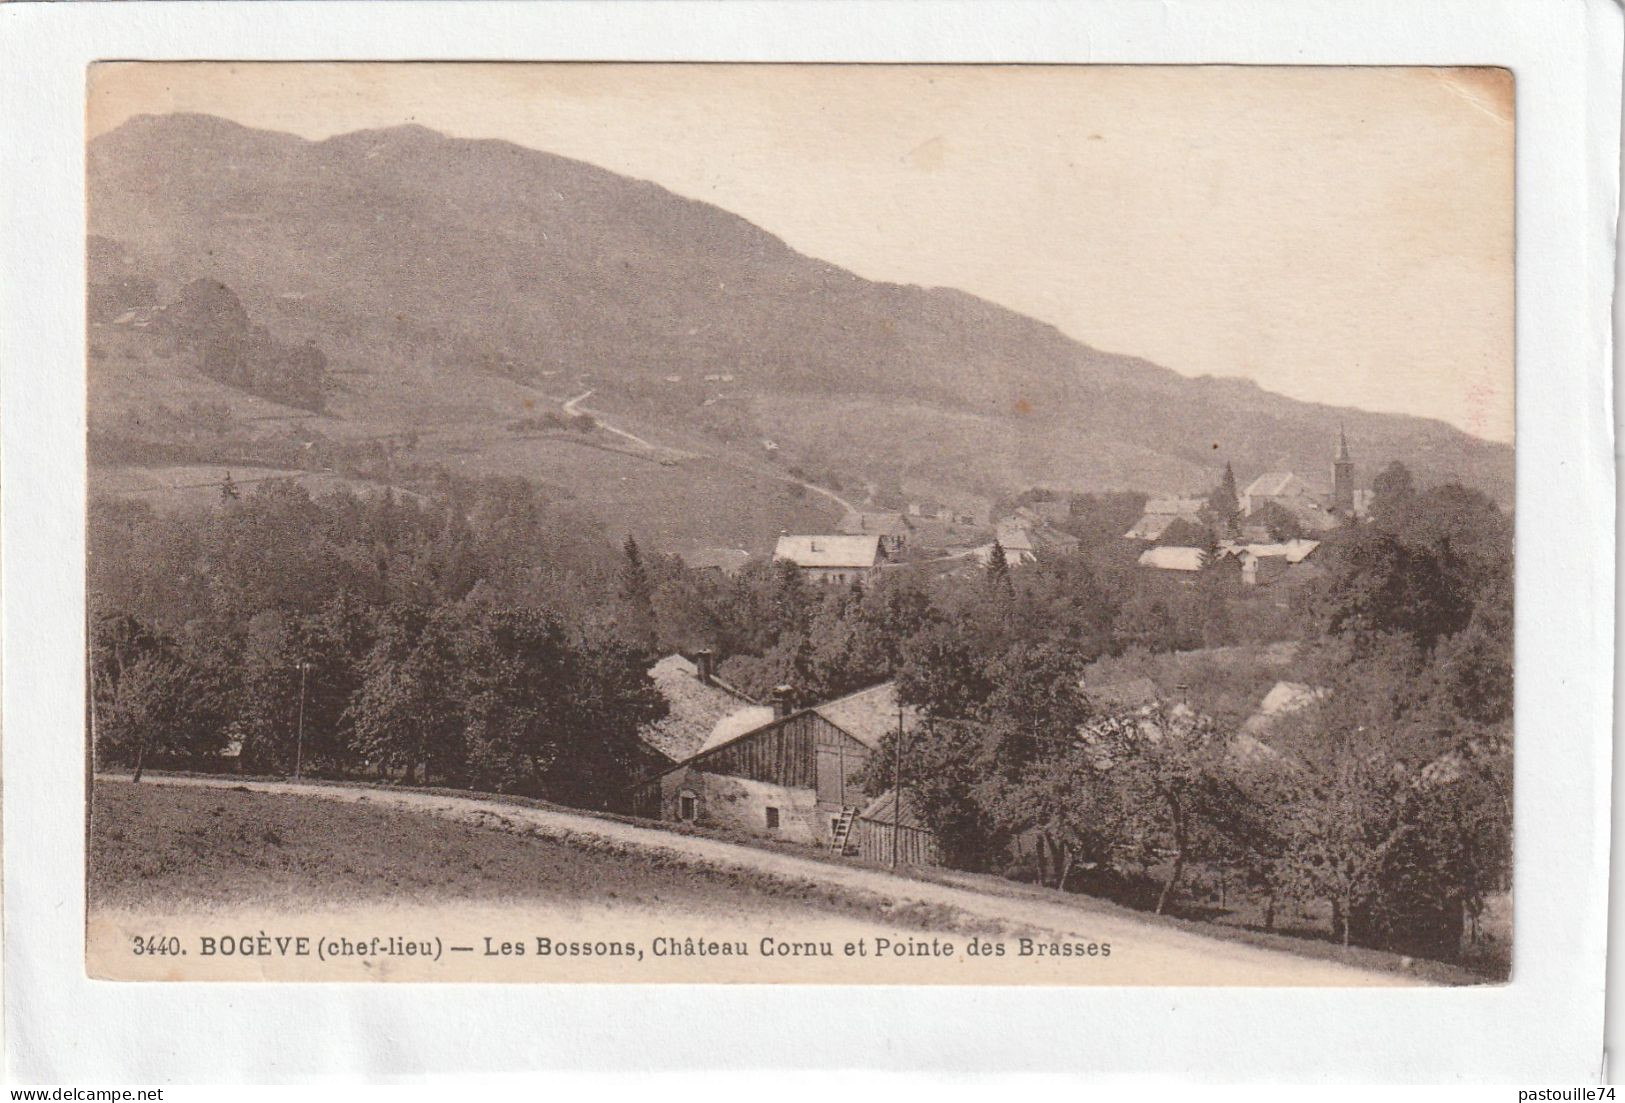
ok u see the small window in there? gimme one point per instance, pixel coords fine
(772, 819)
(686, 806)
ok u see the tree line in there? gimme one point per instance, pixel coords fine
(464, 642)
(208, 324)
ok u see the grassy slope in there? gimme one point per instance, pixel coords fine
(700, 501)
(165, 846)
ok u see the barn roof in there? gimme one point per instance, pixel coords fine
(694, 708)
(742, 719)
(868, 715)
(828, 551)
(883, 810)
(1151, 526)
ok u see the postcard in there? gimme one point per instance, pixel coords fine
(906, 524)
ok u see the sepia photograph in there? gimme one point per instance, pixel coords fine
(799, 523)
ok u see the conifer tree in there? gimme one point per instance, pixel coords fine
(638, 594)
(1224, 503)
(998, 568)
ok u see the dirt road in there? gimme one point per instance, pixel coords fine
(573, 406)
(1144, 952)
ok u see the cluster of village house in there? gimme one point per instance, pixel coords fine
(1255, 556)
(868, 541)
(797, 773)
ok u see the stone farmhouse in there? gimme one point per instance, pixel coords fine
(792, 776)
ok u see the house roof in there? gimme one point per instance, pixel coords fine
(1293, 551)
(1299, 550)
(1014, 537)
(1249, 750)
(882, 524)
(1283, 699)
(1023, 536)
(868, 715)
(1173, 559)
(694, 708)
(1048, 540)
(883, 810)
(828, 551)
(1151, 526)
(1014, 557)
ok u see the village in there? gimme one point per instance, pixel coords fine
(782, 770)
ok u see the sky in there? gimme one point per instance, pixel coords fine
(1338, 235)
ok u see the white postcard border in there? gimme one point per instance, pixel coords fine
(1545, 1026)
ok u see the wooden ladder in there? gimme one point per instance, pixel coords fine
(841, 839)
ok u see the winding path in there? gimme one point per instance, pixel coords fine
(573, 406)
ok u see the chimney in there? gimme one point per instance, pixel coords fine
(706, 662)
(782, 696)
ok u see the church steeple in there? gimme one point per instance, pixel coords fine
(1343, 478)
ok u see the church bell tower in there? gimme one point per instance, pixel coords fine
(1343, 479)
